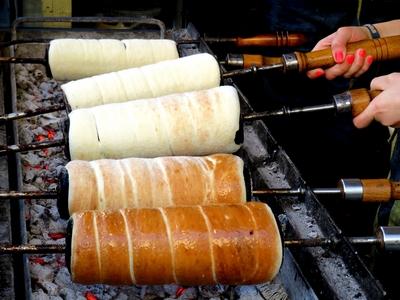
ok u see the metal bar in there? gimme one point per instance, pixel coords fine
(23, 60)
(317, 242)
(273, 192)
(367, 240)
(252, 70)
(31, 113)
(137, 20)
(29, 147)
(28, 195)
(288, 111)
(18, 42)
(31, 249)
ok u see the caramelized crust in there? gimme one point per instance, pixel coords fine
(192, 245)
(158, 182)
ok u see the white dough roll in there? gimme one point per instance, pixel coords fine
(190, 73)
(156, 182)
(72, 59)
(195, 123)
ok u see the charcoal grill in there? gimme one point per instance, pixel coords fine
(306, 273)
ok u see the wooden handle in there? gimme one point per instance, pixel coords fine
(395, 190)
(381, 50)
(250, 60)
(360, 99)
(377, 190)
(279, 39)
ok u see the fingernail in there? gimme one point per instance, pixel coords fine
(339, 56)
(350, 59)
(369, 59)
(362, 53)
(318, 73)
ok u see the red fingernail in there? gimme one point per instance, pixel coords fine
(350, 59)
(362, 53)
(370, 59)
(318, 73)
(339, 56)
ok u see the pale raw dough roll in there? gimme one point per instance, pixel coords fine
(195, 123)
(191, 245)
(157, 182)
(72, 59)
(190, 73)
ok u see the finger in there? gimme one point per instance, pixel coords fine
(380, 83)
(356, 62)
(313, 74)
(339, 42)
(338, 69)
(366, 117)
(367, 64)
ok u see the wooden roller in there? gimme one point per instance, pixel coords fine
(159, 182)
(192, 245)
(195, 123)
(190, 73)
(71, 59)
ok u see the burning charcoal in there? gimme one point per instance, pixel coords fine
(37, 211)
(171, 289)
(248, 292)
(56, 227)
(35, 241)
(50, 288)
(41, 273)
(38, 75)
(54, 214)
(40, 295)
(68, 294)
(121, 296)
(272, 291)
(189, 293)
(212, 290)
(63, 278)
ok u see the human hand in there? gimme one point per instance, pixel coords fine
(347, 65)
(384, 108)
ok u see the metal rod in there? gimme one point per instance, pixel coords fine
(327, 191)
(28, 195)
(23, 60)
(30, 147)
(288, 111)
(367, 240)
(17, 42)
(298, 191)
(252, 70)
(317, 242)
(31, 249)
(31, 113)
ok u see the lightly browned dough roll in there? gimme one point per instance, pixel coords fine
(158, 182)
(194, 123)
(191, 73)
(71, 59)
(190, 245)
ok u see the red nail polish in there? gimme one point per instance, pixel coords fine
(350, 59)
(318, 73)
(362, 53)
(339, 56)
(370, 59)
